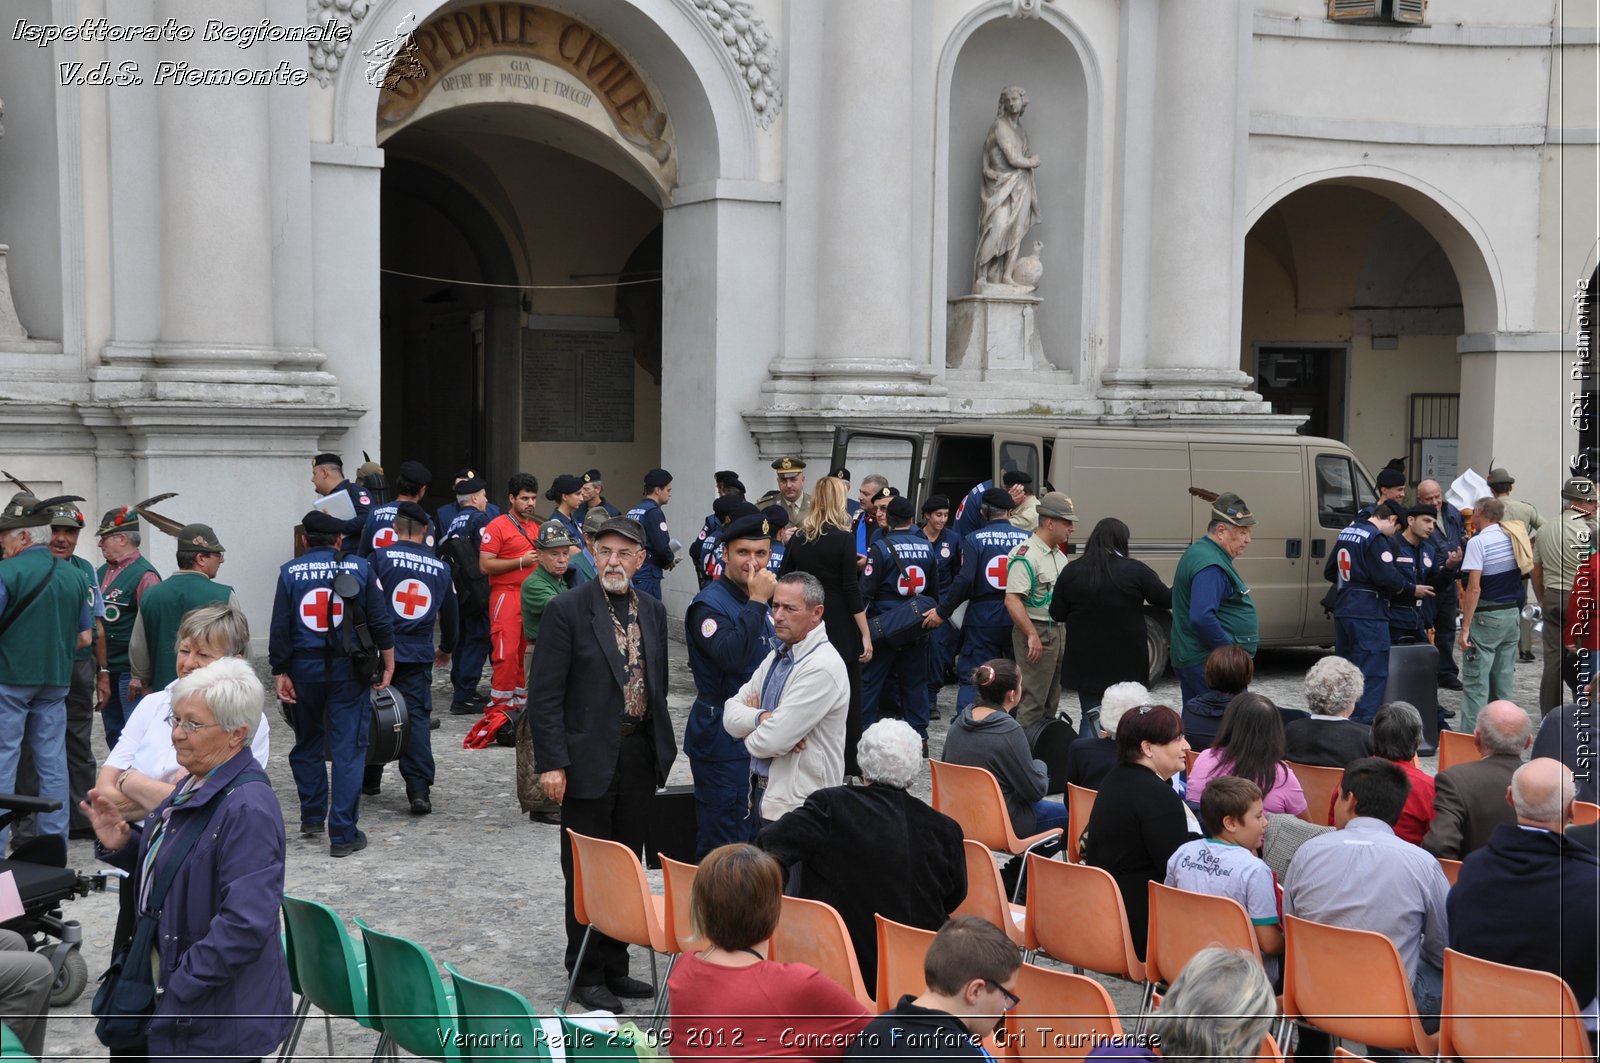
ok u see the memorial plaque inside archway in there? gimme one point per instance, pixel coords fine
(577, 387)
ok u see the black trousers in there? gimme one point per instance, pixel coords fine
(1445, 604)
(620, 814)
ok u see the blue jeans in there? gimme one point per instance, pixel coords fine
(114, 713)
(339, 713)
(37, 715)
(1365, 643)
(1048, 815)
(472, 649)
(906, 670)
(1427, 988)
(721, 804)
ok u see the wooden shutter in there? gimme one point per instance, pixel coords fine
(1344, 10)
(1409, 10)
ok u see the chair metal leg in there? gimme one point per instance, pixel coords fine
(300, 1013)
(382, 1050)
(1022, 876)
(577, 965)
(658, 1014)
(327, 1024)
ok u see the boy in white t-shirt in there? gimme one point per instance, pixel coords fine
(1225, 863)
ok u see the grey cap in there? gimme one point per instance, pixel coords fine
(1578, 489)
(1057, 505)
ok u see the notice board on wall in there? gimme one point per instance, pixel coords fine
(577, 386)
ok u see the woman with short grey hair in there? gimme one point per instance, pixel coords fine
(875, 848)
(1089, 759)
(1329, 737)
(1396, 736)
(1219, 1010)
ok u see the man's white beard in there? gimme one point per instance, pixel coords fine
(614, 582)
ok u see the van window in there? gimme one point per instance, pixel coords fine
(1341, 490)
(1021, 456)
(960, 463)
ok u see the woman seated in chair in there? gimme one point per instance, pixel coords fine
(986, 735)
(1139, 820)
(1229, 671)
(1250, 745)
(1219, 1010)
(728, 1000)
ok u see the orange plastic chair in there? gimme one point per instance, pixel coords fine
(1189, 757)
(972, 797)
(1451, 869)
(1341, 1052)
(1060, 1015)
(812, 932)
(901, 950)
(1376, 1008)
(1457, 747)
(986, 894)
(611, 894)
(1182, 923)
(1321, 785)
(677, 880)
(1584, 813)
(1076, 915)
(1490, 1011)
(1080, 802)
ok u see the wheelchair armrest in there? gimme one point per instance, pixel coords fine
(25, 803)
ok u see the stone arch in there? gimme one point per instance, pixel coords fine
(1460, 234)
(1077, 42)
(706, 97)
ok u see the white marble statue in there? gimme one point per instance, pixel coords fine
(1010, 197)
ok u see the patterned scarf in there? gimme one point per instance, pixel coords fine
(628, 644)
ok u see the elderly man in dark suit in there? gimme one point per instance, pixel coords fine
(597, 708)
(1469, 800)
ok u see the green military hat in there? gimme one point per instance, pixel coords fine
(1501, 478)
(26, 511)
(1231, 509)
(787, 466)
(66, 515)
(199, 538)
(592, 521)
(1578, 489)
(554, 534)
(1057, 505)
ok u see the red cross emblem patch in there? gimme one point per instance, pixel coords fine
(1343, 561)
(995, 573)
(411, 599)
(315, 609)
(912, 582)
(384, 537)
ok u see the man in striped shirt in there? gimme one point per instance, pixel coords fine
(1490, 608)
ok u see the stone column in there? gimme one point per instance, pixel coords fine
(854, 220)
(1187, 358)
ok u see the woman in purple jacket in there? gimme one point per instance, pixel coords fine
(223, 978)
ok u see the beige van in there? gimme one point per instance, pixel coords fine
(1302, 490)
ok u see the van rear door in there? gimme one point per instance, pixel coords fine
(1342, 488)
(897, 455)
(1271, 480)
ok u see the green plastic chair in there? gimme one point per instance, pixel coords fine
(301, 1009)
(499, 1023)
(582, 1043)
(11, 1046)
(325, 968)
(409, 1002)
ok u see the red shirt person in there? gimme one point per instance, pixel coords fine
(507, 554)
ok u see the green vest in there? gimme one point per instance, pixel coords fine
(87, 571)
(537, 590)
(122, 609)
(1236, 614)
(37, 649)
(163, 610)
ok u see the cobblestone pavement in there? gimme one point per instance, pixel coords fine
(476, 883)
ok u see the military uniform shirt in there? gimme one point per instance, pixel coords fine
(1035, 578)
(797, 510)
(1562, 547)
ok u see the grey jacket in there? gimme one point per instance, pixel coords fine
(997, 743)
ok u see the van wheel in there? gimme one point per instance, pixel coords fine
(1157, 640)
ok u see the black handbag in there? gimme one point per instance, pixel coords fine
(900, 625)
(126, 998)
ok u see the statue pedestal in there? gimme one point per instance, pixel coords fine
(995, 333)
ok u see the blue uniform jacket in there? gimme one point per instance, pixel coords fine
(946, 556)
(658, 548)
(300, 612)
(1419, 566)
(697, 548)
(775, 563)
(969, 514)
(583, 510)
(1362, 562)
(883, 583)
(982, 576)
(728, 637)
(450, 511)
(420, 592)
(378, 532)
(363, 502)
(468, 523)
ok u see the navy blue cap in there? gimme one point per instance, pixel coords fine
(414, 511)
(724, 477)
(777, 516)
(657, 478)
(1017, 476)
(1391, 478)
(728, 507)
(565, 484)
(935, 502)
(326, 458)
(750, 526)
(998, 498)
(415, 472)
(319, 523)
(593, 477)
(900, 509)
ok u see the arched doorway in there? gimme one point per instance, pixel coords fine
(1355, 293)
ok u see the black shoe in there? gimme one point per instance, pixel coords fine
(552, 818)
(433, 723)
(632, 988)
(354, 845)
(420, 805)
(371, 789)
(1448, 714)
(463, 708)
(933, 714)
(312, 826)
(1450, 682)
(596, 998)
(1427, 751)
(1526, 658)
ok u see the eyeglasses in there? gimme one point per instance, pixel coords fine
(189, 726)
(607, 554)
(1012, 1000)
